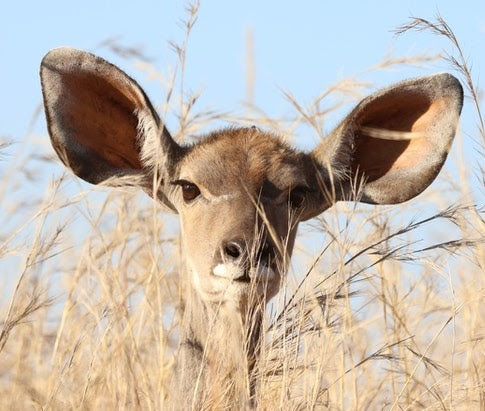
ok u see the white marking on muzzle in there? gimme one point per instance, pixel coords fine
(232, 271)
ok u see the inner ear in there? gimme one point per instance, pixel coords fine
(104, 113)
(392, 133)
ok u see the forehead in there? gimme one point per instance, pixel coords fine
(244, 156)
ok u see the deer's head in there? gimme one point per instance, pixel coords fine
(240, 193)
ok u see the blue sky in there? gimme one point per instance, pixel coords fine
(301, 47)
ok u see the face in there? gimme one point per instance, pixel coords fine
(240, 195)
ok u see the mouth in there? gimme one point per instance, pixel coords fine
(245, 278)
(241, 275)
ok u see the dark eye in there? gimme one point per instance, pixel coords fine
(189, 190)
(296, 198)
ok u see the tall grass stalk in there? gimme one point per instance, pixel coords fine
(388, 314)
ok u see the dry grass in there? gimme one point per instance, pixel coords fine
(387, 314)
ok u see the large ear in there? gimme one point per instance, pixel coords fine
(100, 121)
(394, 143)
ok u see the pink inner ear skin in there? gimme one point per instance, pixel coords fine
(409, 112)
(112, 126)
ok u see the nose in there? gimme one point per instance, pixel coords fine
(233, 250)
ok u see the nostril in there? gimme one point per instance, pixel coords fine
(233, 249)
(265, 250)
(266, 253)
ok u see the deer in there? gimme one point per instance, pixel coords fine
(240, 193)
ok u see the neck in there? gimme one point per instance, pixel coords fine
(219, 347)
